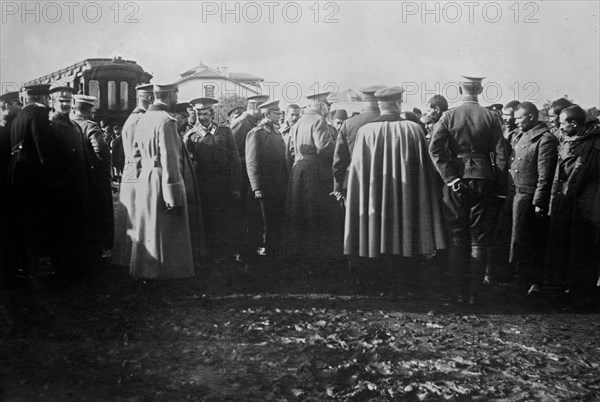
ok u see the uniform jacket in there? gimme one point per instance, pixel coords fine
(532, 165)
(465, 140)
(98, 148)
(392, 204)
(166, 245)
(265, 160)
(215, 155)
(345, 145)
(32, 145)
(310, 136)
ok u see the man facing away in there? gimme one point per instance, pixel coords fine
(123, 233)
(393, 211)
(101, 202)
(168, 231)
(470, 154)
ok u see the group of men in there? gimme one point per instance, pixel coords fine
(196, 191)
(56, 176)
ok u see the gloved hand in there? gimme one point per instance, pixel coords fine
(462, 190)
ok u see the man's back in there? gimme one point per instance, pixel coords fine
(470, 134)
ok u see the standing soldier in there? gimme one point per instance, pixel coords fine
(217, 162)
(168, 233)
(554, 111)
(116, 155)
(291, 117)
(499, 251)
(313, 214)
(74, 173)
(125, 208)
(31, 169)
(10, 107)
(268, 174)
(574, 249)
(469, 152)
(240, 128)
(393, 211)
(509, 125)
(101, 202)
(344, 146)
(532, 165)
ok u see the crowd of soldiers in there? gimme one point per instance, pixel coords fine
(381, 188)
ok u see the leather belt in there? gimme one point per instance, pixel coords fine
(471, 155)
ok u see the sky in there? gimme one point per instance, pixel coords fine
(527, 50)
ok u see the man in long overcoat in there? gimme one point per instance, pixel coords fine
(532, 165)
(313, 214)
(240, 129)
(216, 158)
(74, 172)
(574, 241)
(470, 154)
(123, 233)
(268, 175)
(167, 225)
(392, 208)
(100, 201)
(31, 171)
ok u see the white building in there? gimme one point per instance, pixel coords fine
(208, 82)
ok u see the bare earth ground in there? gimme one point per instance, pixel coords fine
(296, 333)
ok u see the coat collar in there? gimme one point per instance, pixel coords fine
(537, 131)
(387, 117)
(158, 107)
(311, 112)
(61, 120)
(139, 110)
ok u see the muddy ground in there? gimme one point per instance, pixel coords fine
(292, 333)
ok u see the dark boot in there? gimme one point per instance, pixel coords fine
(459, 268)
(478, 264)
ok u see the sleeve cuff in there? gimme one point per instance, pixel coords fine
(174, 193)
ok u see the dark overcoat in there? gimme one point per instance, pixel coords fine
(71, 205)
(533, 161)
(101, 202)
(574, 241)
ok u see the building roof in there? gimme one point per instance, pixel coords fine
(204, 71)
(86, 64)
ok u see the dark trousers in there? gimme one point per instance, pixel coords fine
(265, 223)
(471, 222)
